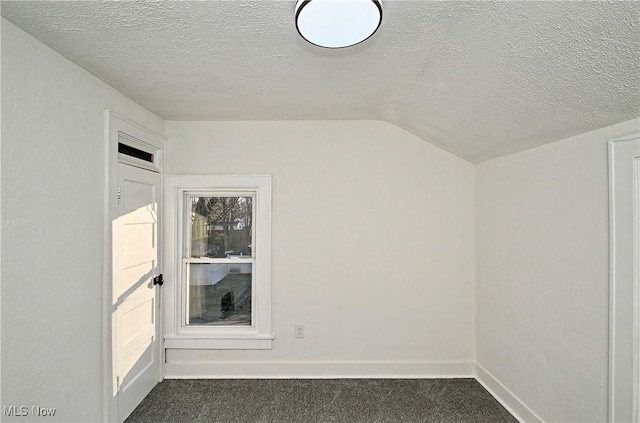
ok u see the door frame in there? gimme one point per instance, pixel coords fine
(138, 136)
(624, 279)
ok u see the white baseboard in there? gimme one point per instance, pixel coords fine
(505, 397)
(320, 370)
(354, 370)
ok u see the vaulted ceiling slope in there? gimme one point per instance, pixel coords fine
(479, 79)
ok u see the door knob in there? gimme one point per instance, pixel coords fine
(158, 280)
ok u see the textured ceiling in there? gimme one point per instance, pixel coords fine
(479, 79)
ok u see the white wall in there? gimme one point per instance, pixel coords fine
(542, 243)
(52, 227)
(373, 245)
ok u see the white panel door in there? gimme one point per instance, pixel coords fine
(135, 296)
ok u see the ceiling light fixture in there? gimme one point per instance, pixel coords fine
(337, 23)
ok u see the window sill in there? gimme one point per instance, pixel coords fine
(236, 342)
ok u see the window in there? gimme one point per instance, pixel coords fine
(219, 255)
(218, 258)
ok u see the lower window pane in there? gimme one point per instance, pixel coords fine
(220, 294)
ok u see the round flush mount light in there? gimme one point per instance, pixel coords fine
(337, 23)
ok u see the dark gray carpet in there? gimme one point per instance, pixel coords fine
(324, 400)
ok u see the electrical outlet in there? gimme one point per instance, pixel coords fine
(299, 331)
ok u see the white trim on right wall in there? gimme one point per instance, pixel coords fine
(504, 396)
(624, 323)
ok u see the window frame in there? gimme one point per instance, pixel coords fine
(177, 333)
(187, 259)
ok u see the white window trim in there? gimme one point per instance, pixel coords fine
(259, 334)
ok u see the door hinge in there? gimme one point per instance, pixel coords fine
(119, 196)
(117, 383)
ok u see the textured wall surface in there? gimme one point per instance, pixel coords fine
(52, 228)
(372, 244)
(542, 257)
(479, 79)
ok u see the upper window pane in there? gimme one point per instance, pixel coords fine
(221, 226)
